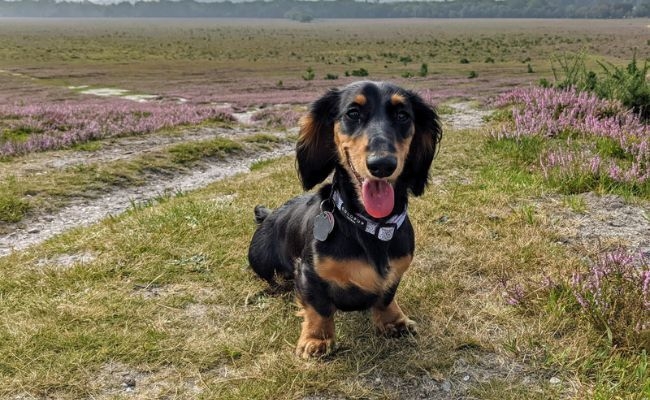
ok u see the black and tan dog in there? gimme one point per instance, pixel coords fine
(348, 245)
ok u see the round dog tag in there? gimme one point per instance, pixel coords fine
(323, 225)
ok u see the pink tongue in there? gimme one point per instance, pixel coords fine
(378, 197)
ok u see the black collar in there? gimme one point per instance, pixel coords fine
(382, 230)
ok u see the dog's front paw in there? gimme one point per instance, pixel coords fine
(398, 328)
(313, 347)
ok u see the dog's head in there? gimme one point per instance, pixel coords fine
(380, 134)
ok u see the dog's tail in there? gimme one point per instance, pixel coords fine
(261, 213)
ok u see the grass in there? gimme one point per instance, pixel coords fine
(46, 192)
(167, 298)
(242, 61)
(160, 300)
(12, 206)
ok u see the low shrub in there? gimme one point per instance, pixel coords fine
(360, 72)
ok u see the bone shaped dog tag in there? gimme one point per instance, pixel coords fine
(323, 225)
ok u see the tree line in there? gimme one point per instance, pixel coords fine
(307, 10)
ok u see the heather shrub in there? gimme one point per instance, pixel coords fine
(597, 142)
(41, 127)
(612, 295)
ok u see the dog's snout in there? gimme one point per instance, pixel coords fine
(381, 166)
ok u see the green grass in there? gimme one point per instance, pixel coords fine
(42, 193)
(185, 153)
(18, 134)
(12, 206)
(167, 297)
(525, 153)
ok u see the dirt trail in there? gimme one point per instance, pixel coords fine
(82, 212)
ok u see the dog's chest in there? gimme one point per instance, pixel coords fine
(359, 273)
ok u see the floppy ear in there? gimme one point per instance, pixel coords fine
(315, 151)
(423, 145)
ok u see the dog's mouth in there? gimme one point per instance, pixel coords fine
(377, 195)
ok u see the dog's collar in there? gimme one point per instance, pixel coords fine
(382, 230)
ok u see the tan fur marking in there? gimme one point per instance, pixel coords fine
(403, 149)
(354, 148)
(346, 273)
(397, 99)
(360, 99)
(397, 268)
(307, 129)
(391, 320)
(317, 335)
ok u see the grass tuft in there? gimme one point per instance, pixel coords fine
(12, 205)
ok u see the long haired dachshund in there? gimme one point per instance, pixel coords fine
(347, 245)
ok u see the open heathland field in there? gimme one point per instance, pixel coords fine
(132, 153)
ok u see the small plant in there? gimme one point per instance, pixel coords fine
(360, 72)
(331, 77)
(464, 61)
(405, 60)
(629, 85)
(424, 70)
(489, 60)
(614, 295)
(280, 83)
(407, 74)
(530, 69)
(472, 75)
(309, 74)
(12, 206)
(528, 214)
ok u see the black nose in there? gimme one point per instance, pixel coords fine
(381, 166)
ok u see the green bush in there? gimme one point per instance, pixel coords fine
(472, 75)
(424, 70)
(629, 84)
(360, 72)
(309, 75)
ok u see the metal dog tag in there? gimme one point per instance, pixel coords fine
(323, 225)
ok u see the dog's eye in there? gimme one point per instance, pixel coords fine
(353, 114)
(403, 116)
